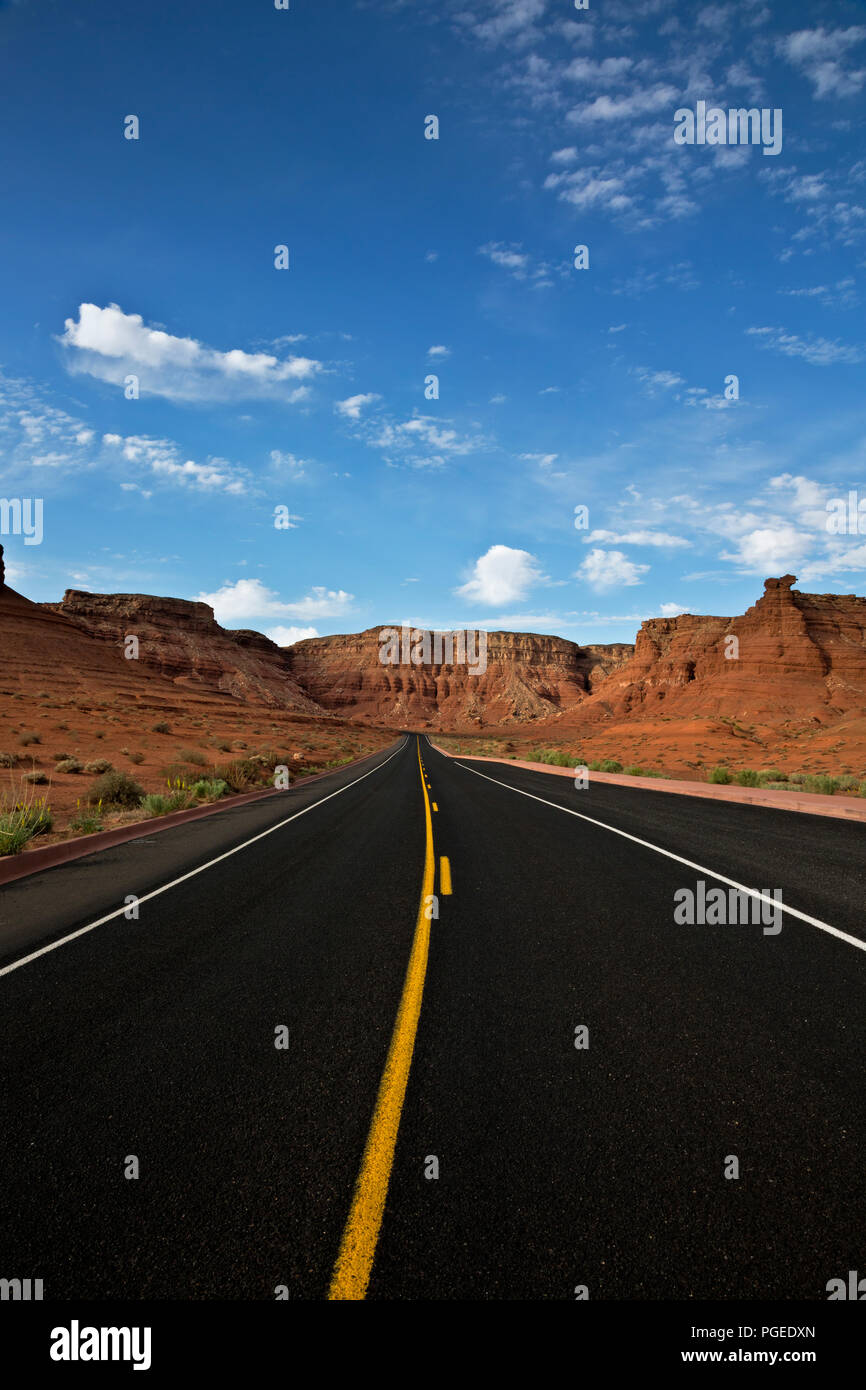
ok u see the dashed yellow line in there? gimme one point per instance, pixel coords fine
(358, 1247)
(435, 807)
(445, 874)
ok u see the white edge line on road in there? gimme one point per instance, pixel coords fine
(711, 873)
(155, 893)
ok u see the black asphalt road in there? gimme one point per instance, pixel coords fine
(558, 1167)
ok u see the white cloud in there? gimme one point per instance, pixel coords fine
(658, 538)
(586, 189)
(543, 460)
(283, 460)
(509, 257)
(663, 380)
(820, 54)
(820, 352)
(672, 610)
(353, 405)
(110, 345)
(609, 569)
(250, 599)
(770, 549)
(638, 103)
(285, 636)
(502, 575)
(606, 73)
(512, 20)
(439, 350)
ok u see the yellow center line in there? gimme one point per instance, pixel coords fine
(445, 874)
(435, 807)
(360, 1237)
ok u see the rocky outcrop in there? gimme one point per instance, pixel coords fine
(792, 659)
(522, 677)
(790, 656)
(184, 643)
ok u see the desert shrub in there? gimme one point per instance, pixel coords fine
(8, 759)
(209, 789)
(777, 786)
(68, 764)
(720, 776)
(99, 733)
(115, 788)
(37, 779)
(157, 804)
(848, 783)
(98, 765)
(239, 743)
(825, 786)
(192, 755)
(610, 765)
(26, 739)
(178, 775)
(553, 757)
(798, 778)
(240, 775)
(61, 757)
(772, 774)
(747, 778)
(135, 757)
(162, 728)
(86, 822)
(224, 747)
(636, 772)
(21, 822)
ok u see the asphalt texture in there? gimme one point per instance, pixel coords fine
(558, 1167)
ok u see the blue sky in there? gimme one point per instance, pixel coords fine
(305, 388)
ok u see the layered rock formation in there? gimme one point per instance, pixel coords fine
(790, 656)
(183, 642)
(523, 677)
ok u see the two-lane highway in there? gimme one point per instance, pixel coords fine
(432, 1127)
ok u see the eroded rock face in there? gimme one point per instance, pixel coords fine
(184, 643)
(527, 677)
(790, 657)
(794, 655)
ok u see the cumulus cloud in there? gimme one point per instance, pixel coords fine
(609, 569)
(353, 405)
(512, 21)
(770, 549)
(502, 575)
(638, 103)
(509, 257)
(110, 345)
(249, 599)
(285, 636)
(820, 55)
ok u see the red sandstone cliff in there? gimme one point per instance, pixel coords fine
(796, 656)
(183, 642)
(527, 677)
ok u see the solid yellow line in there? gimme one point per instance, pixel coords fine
(358, 1247)
(445, 874)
